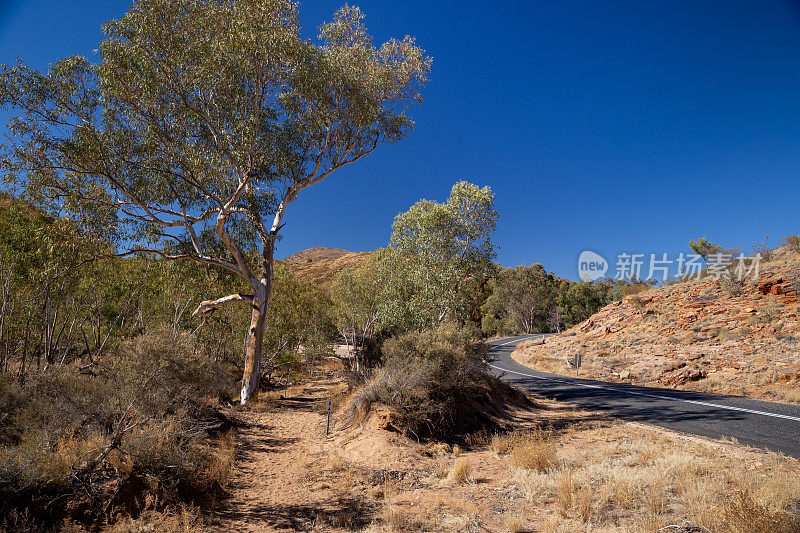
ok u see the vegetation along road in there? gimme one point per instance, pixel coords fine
(774, 426)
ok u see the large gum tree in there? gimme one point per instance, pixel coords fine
(199, 124)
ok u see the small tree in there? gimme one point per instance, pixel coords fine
(703, 247)
(448, 251)
(357, 298)
(201, 124)
(555, 320)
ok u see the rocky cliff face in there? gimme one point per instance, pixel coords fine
(693, 335)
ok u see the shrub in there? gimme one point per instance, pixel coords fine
(437, 380)
(793, 242)
(138, 420)
(764, 249)
(769, 311)
(732, 283)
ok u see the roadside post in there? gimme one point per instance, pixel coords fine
(328, 408)
(577, 364)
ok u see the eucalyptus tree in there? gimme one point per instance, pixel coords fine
(527, 294)
(451, 251)
(198, 126)
(359, 297)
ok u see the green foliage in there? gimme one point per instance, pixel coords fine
(196, 104)
(198, 127)
(521, 300)
(360, 307)
(703, 247)
(299, 318)
(441, 254)
(581, 300)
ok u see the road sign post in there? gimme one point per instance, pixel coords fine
(577, 364)
(328, 408)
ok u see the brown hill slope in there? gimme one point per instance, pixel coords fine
(321, 265)
(692, 335)
(309, 255)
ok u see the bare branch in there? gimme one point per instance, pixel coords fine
(209, 306)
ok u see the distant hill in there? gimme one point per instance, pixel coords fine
(320, 265)
(309, 255)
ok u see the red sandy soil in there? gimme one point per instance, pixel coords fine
(691, 335)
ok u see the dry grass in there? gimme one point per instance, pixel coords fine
(531, 449)
(455, 521)
(504, 443)
(639, 481)
(461, 471)
(322, 270)
(539, 456)
(515, 524)
(183, 519)
(221, 465)
(337, 463)
(396, 519)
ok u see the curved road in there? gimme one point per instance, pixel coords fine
(773, 426)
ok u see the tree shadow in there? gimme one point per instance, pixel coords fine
(343, 512)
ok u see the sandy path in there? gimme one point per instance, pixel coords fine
(277, 451)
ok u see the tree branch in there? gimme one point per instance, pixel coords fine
(209, 306)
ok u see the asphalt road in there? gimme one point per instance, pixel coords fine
(767, 425)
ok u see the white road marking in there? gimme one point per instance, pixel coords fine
(636, 393)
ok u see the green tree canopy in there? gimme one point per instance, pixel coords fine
(523, 298)
(703, 247)
(202, 121)
(446, 253)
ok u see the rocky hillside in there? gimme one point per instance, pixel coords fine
(321, 265)
(692, 335)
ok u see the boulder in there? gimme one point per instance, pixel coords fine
(777, 285)
(681, 376)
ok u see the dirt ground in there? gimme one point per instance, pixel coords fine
(281, 451)
(560, 470)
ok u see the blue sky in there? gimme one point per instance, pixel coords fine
(611, 126)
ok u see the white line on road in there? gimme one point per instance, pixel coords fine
(636, 393)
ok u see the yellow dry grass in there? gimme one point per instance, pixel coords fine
(461, 471)
(515, 524)
(643, 481)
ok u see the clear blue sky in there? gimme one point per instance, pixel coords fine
(614, 126)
